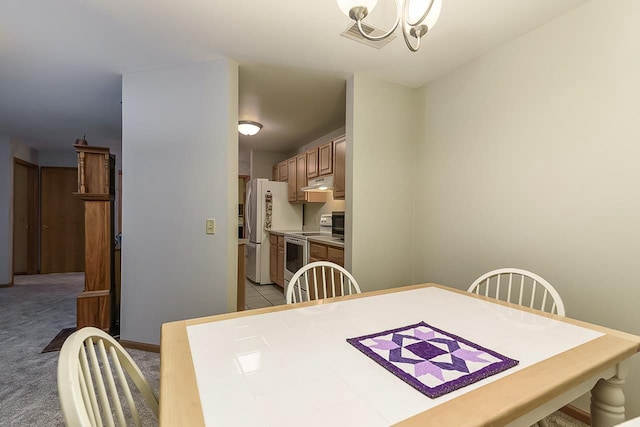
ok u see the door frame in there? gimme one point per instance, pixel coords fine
(33, 220)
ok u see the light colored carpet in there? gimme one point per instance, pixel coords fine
(31, 314)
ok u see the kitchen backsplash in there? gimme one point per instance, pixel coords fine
(312, 211)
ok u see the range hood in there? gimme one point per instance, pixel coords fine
(320, 184)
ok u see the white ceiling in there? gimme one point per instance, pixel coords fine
(61, 61)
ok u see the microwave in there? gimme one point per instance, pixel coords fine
(337, 224)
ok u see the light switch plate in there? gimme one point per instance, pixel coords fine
(211, 226)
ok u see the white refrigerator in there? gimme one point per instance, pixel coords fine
(283, 216)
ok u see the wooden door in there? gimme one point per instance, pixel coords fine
(62, 222)
(25, 219)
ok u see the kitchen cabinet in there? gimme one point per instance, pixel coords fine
(321, 252)
(339, 167)
(273, 258)
(280, 266)
(276, 259)
(312, 162)
(283, 171)
(325, 159)
(292, 179)
(301, 176)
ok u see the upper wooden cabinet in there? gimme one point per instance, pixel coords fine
(322, 160)
(283, 171)
(293, 182)
(325, 159)
(339, 172)
(301, 176)
(312, 163)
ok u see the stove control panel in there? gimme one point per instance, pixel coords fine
(325, 220)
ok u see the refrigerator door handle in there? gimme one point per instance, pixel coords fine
(248, 211)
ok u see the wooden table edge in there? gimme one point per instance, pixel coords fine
(178, 372)
(498, 406)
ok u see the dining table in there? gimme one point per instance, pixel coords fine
(419, 355)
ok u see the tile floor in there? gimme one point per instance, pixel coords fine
(259, 296)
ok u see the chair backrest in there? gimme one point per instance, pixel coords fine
(88, 360)
(320, 279)
(519, 287)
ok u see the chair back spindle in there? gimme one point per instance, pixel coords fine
(319, 280)
(90, 361)
(532, 291)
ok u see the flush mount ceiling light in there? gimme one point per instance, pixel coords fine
(417, 17)
(248, 128)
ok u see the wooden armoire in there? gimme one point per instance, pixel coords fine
(97, 305)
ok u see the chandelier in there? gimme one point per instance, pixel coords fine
(417, 18)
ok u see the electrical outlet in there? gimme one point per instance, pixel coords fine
(211, 226)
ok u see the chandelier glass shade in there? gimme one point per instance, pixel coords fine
(249, 128)
(416, 18)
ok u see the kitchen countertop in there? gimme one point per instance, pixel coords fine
(326, 240)
(283, 232)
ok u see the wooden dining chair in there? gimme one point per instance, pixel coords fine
(87, 386)
(318, 280)
(519, 287)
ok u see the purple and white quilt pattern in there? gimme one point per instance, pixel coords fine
(431, 360)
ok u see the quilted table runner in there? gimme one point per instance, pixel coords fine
(431, 360)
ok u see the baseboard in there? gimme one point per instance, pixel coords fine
(577, 414)
(153, 348)
(6, 285)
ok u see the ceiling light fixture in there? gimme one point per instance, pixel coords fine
(248, 128)
(417, 16)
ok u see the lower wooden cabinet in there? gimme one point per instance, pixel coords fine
(280, 266)
(276, 259)
(320, 252)
(273, 258)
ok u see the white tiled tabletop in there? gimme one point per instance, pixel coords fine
(295, 367)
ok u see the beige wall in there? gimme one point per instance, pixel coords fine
(262, 163)
(529, 157)
(380, 182)
(180, 141)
